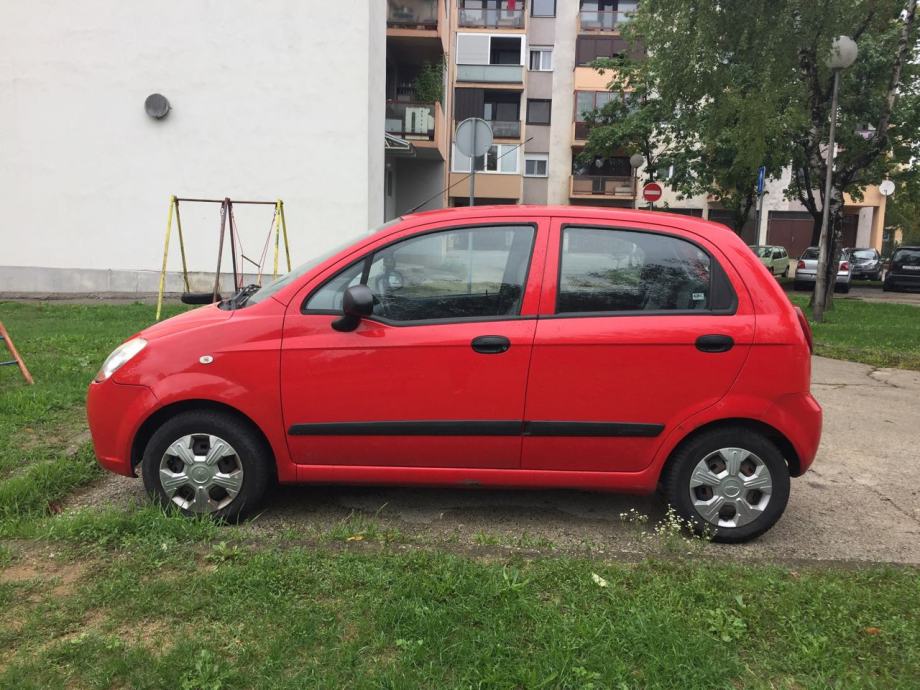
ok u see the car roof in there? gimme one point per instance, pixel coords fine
(611, 213)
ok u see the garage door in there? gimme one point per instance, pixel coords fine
(791, 230)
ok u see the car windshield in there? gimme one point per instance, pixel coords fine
(763, 252)
(907, 257)
(810, 253)
(864, 253)
(273, 287)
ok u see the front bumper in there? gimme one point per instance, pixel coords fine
(115, 411)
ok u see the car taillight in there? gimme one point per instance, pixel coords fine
(801, 264)
(806, 328)
(844, 266)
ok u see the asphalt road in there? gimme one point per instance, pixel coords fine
(873, 293)
(859, 502)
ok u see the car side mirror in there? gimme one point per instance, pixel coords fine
(357, 303)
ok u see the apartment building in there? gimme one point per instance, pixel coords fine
(524, 66)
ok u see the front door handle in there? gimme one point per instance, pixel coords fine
(491, 344)
(714, 343)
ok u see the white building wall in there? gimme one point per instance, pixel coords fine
(272, 99)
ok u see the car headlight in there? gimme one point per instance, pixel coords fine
(119, 357)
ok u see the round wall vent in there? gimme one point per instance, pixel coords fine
(157, 106)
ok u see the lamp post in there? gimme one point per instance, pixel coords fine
(843, 54)
(636, 160)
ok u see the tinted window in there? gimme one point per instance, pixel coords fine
(810, 254)
(455, 274)
(906, 257)
(620, 270)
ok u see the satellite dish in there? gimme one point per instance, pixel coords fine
(157, 106)
(474, 137)
(886, 188)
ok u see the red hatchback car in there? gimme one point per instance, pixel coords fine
(513, 346)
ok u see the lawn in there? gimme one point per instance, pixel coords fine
(883, 335)
(138, 598)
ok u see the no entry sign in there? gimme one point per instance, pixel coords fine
(651, 192)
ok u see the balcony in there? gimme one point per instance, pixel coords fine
(491, 74)
(505, 129)
(419, 123)
(491, 18)
(603, 186)
(602, 20)
(413, 14)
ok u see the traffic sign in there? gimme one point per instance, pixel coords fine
(474, 137)
(652, 192)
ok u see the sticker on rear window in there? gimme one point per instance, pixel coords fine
(698, 296)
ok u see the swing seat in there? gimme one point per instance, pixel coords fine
(199, 297)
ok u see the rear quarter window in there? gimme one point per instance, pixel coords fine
(609, 270)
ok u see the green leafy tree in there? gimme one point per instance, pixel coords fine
(745, 84)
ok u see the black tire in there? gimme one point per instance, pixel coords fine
(676, 480)
(845, 288)
(798, 286)
(251, 453)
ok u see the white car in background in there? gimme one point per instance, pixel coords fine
(807, 269)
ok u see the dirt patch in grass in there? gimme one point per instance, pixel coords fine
(37, 562)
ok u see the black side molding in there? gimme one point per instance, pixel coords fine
(438, 428)
(477, 428)
(592, 429)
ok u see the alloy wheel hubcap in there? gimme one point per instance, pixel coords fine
(201, 473)
(730, 487)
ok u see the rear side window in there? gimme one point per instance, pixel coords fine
(606, 270)
(467, 273)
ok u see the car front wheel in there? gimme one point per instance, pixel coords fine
(731, 483)
(207, 463)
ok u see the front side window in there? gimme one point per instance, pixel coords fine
(453, 274)
(605, 270)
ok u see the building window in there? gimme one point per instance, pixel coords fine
(589, 101)
(500, 158)
(535, 164)
(541, 59)
(538, 110)
(543, 8)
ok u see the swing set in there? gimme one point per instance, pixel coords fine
(238, 257)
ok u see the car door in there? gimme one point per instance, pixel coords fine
(640, 327)
(436, 377)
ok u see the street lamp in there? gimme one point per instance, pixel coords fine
(636, 160)
(843, 54)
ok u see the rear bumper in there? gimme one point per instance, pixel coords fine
(842, 278)
(799, 417)
(115, 412)
(905, 280)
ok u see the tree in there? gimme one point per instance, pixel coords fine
(903, 210)
(747, 81)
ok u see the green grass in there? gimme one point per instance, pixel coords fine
(136, 597)
(883, 335)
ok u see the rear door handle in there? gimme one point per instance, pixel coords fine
(714, 343)
(491, 344)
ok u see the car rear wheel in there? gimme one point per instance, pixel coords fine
(207, 463)
(799, 285)
(732, 483)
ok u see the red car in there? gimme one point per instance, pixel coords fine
(512, 346)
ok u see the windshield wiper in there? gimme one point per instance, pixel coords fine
(239, 299)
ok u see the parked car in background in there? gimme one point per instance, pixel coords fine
(807, 269)
(503, 346)
(865, 263)
(774, 258)
(903, 269)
